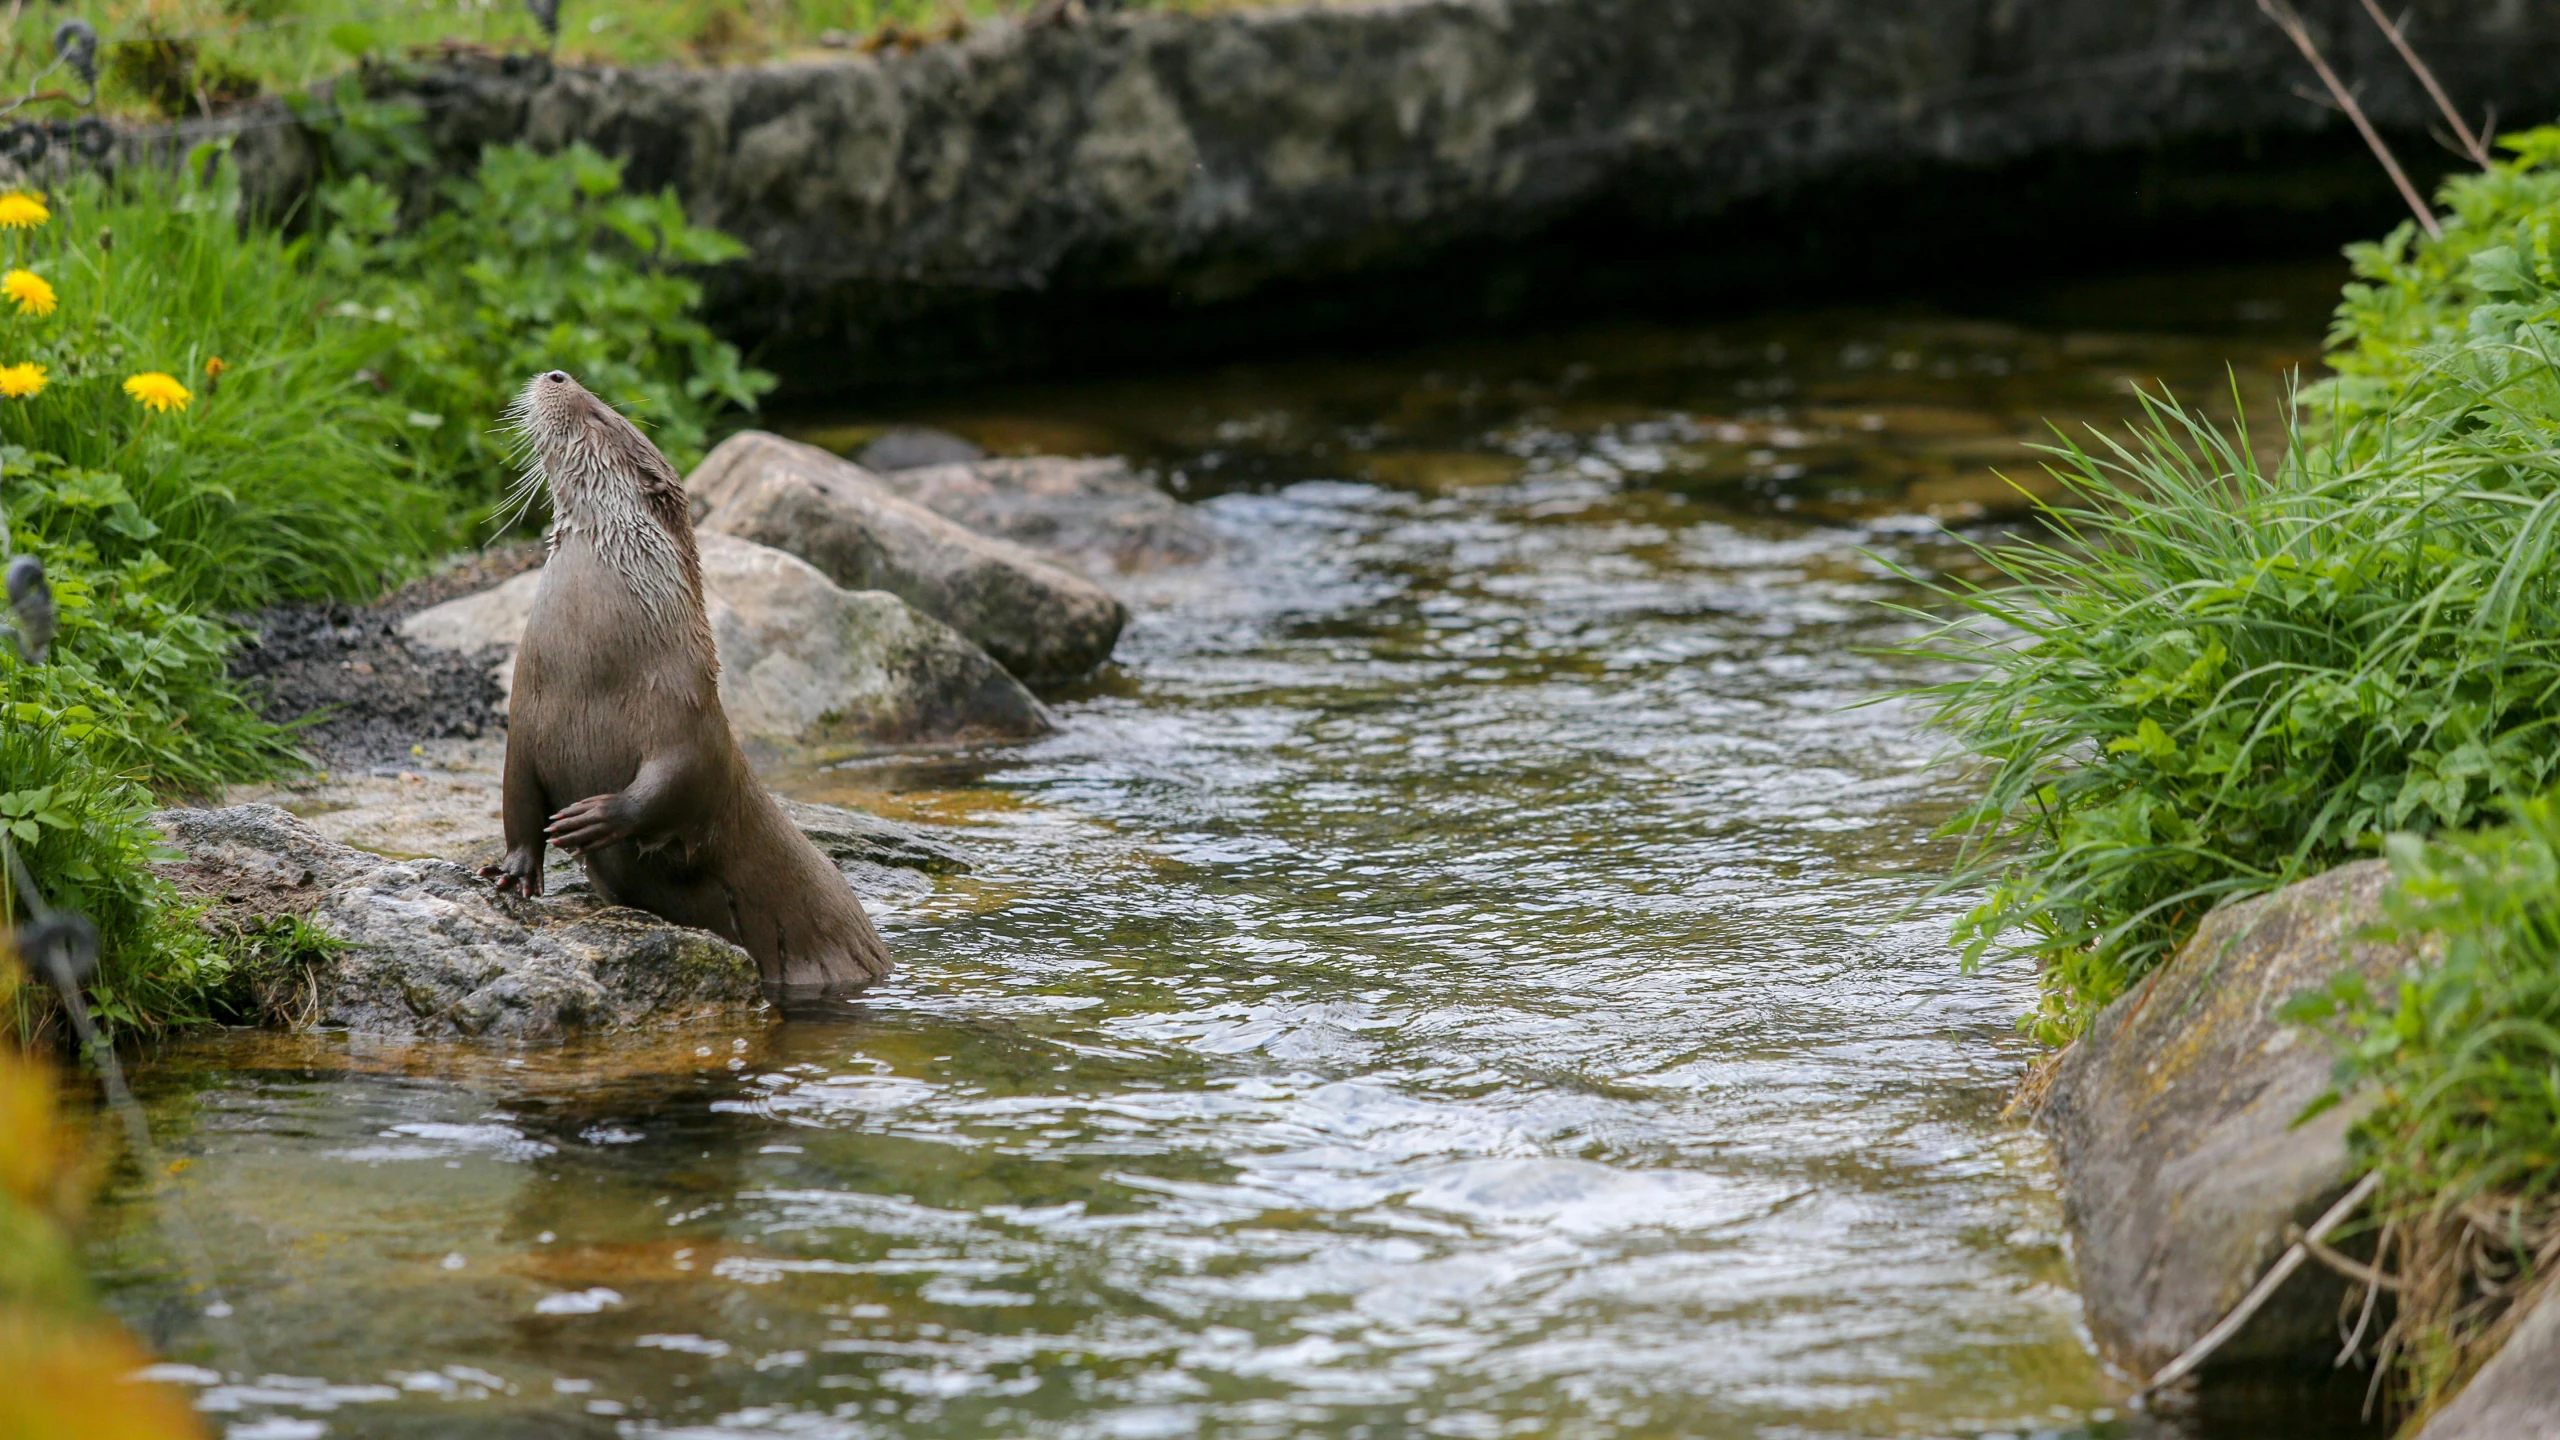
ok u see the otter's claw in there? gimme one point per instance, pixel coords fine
(519, 874)
(583, 825)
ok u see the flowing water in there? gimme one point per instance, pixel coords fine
(1471, 970)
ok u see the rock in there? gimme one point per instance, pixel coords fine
(254, 862)
(431, 950)
(850, 837)
(908, 446)
(1041, 622)
(804, 663)
(2516, 1396)
(444, 805)
(1169, 181)
(2173, 1117)
(1095, 514)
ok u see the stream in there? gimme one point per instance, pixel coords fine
(1471, 969)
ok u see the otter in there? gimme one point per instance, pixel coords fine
(617, 748)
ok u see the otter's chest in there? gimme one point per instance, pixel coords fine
(601, 679)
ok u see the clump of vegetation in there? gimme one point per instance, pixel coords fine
(181, 435)
(528, 263)
(200, 417)
(2219, 676)
(2230, 678)
(2462, 1060)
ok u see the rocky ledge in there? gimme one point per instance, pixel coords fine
(421, 946)
(426, 948)
(1048, 192)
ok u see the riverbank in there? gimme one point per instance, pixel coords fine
(1137, 187)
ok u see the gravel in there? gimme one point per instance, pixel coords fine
(367, 694)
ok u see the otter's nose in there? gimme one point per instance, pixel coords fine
(557, 376)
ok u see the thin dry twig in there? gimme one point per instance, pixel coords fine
(2282, 12)
(2476, 145)
(2291, 1260)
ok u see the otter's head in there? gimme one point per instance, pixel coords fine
(605, 480)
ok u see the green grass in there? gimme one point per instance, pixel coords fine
(175, 57)
(2215, 677)
(278, 480)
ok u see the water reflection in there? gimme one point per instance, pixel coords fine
(1458, 976)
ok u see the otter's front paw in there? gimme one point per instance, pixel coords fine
(519, 874)
(583, 825)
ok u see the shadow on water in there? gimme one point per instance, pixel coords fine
(1468, 970)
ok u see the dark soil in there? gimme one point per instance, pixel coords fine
(368, 694)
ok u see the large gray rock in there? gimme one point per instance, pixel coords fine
(2516, 1396)
(1095, 514)
(2173, 1123)
(1041, 193)
(805, 664)
(430, 950)
(1039, 621)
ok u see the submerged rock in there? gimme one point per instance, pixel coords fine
(804, 662)
(850, 837)
(1040, 621)
(1095, 514)
(431, 950)
(907, 446)
(2515, 1395)
(2173, 1118)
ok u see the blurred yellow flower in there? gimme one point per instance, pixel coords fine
(161, 392)
(32, 292)
(17, 382)
(22, 211)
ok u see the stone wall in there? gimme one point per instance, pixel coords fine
(1043, 192)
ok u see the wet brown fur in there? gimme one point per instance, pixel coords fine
(617, 748)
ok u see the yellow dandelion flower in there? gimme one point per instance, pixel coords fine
(32, 292)
(17, 382)
(161, 392)
(22, 211)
